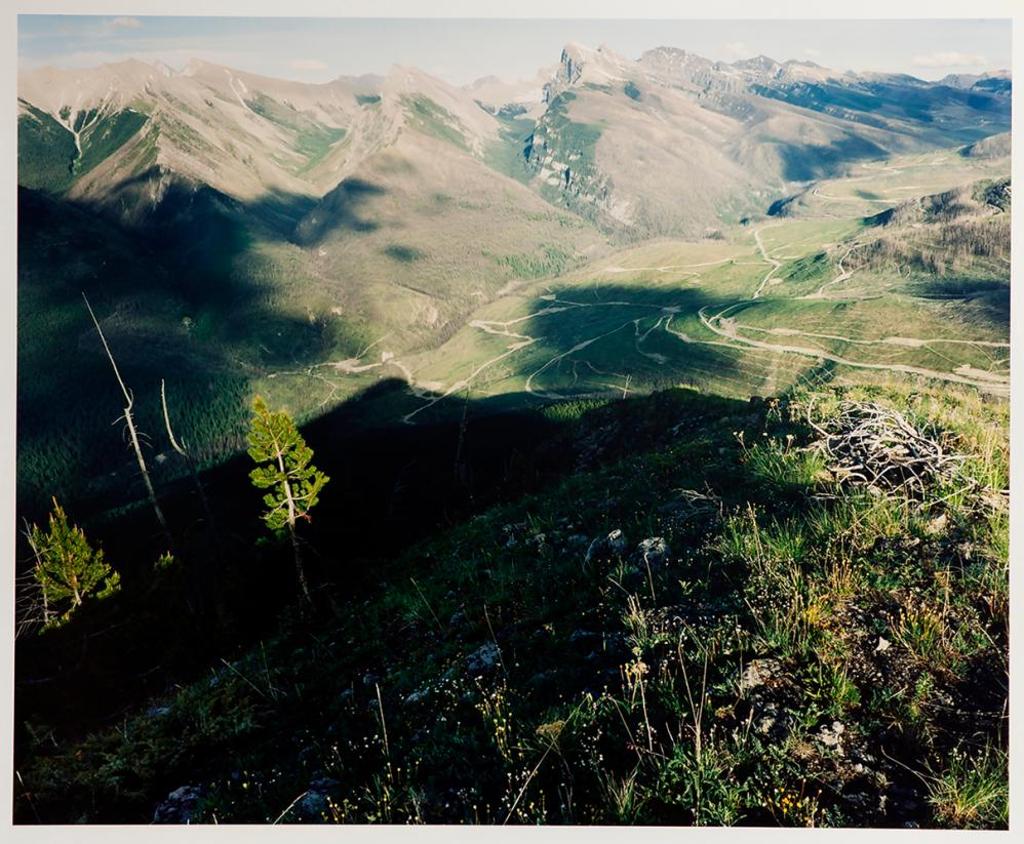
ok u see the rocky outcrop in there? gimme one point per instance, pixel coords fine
(562, 154)
(179, 806)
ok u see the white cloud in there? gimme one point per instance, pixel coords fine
(307, 64)
(812, 53)
(948, 60)
(124, 23)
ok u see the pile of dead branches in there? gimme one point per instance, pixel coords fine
(875, 446)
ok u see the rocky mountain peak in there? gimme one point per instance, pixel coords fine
(574, 57)
(759, 64)
(601, 66)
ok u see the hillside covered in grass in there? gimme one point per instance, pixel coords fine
(789, 611)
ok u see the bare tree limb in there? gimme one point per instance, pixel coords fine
(181, 449)
(129, 419)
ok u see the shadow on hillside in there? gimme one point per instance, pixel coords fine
(806, 162)
(184, 292)
(339, 210)
(991, 297)
(601, 333)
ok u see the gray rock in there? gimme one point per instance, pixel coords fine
(606, 546)
(771, 722)
(576, 541)
(484, 658)
(860, 802)
(543, 678)
(513, 533)
(158, 711)
(832, 736)
(315, 803)
(312, 805)
(179, 806)
(759, 672)
(418, 696)
(616, 541)
(654, 551)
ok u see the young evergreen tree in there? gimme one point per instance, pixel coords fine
(285, 469)
(67, 567)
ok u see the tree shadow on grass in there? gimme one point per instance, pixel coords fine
(389, 487)
(990, 296)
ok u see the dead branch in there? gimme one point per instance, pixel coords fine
(32, 607)
(180, 448)
(867, 444)
(130, 421)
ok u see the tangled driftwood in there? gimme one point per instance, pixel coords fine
(866, 443)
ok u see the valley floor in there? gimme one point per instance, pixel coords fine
(768, 306)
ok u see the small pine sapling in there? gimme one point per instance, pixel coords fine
(68, 568)
(285, 469)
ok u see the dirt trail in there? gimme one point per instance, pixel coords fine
(764, 254)
(666, 268)
(726, 331)
(844, 274)
(906, 342)
(881, 199)
(579, 347)
(724, 327)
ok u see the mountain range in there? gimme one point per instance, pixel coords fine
(235, 230)
(659, 145)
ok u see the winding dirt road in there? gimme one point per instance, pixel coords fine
(764, 254)
(725, 329)
(995, 383)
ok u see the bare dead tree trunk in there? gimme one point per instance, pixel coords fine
(213, 572)
(182, 450)
(38, 567)
(129, 419)
(300, 569)
(462, 474)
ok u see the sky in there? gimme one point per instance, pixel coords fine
(459, 51)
